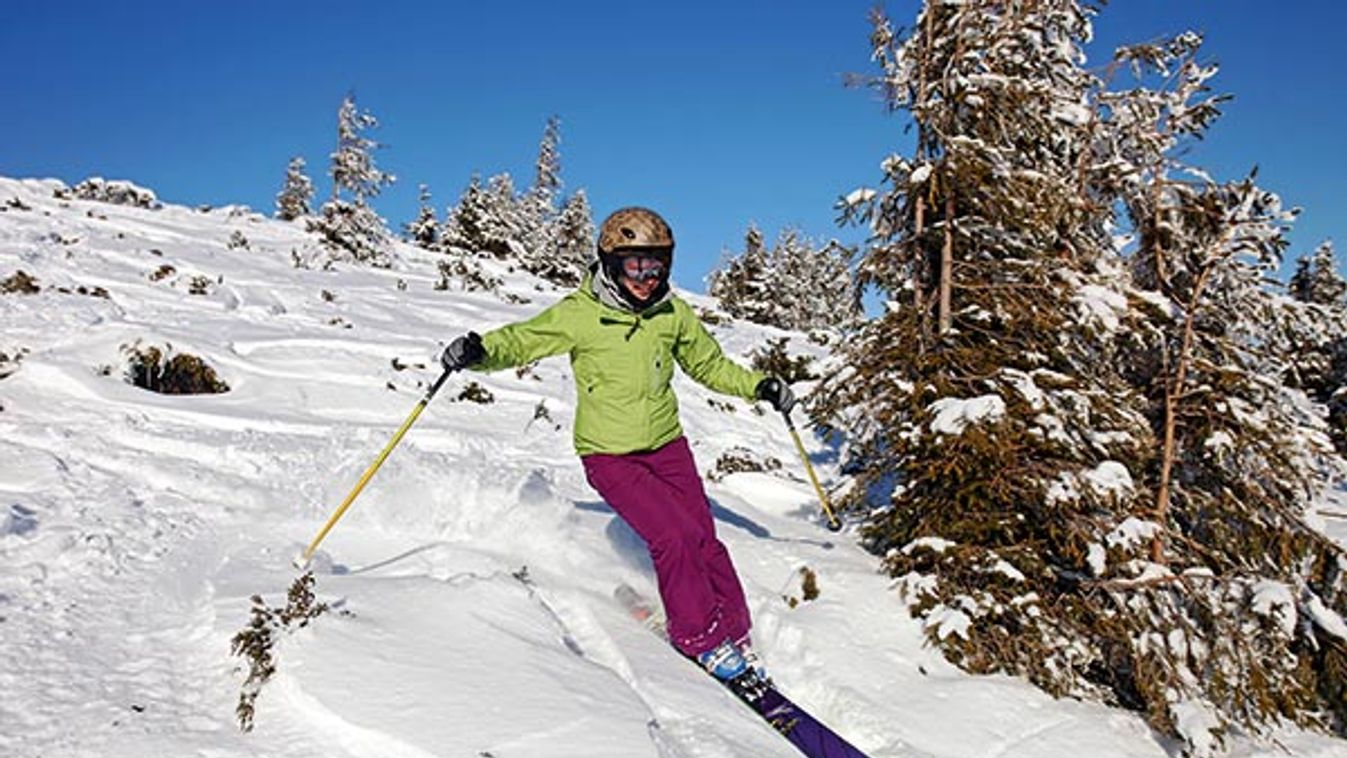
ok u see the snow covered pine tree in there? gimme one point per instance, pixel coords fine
(295, 200)
(1059, 499)
(351, 229)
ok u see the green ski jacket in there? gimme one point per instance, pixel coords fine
(623, 364)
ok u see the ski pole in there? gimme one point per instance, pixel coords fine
(834, 523)
(304, 559)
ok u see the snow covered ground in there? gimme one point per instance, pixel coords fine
(135, 526)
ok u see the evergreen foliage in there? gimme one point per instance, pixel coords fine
(295, 200)
(527, 229)
(797, 284)
(1317, 280)
(574, 240)
(465, 225)
(350, 228)
(424, 230)
(1082, 462)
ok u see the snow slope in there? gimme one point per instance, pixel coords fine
(135, 526)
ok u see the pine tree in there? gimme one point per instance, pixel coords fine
(351, 228)
(424, 230)
(502, 228)
(1317, 280)
(1063, 439)
(353, 170)
(465, 224)
(741, 284)
(1314, 339)
(296, 196)
(574, 235)
(537, 209)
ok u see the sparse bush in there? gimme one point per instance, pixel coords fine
(20, 283)
(163, 272)
(775, 361)
(113, 192)
(721, 405)
(237, 241)
(182, 374)
(198, 285)
(476, 393)
(808, 588)
(737, 460)
(470, 274)
(8, 364)
(257, 641)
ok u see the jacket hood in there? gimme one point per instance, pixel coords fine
(612, 294)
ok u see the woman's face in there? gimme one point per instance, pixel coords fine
(641, 290)
(641, 275)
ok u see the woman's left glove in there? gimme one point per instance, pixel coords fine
(776, 392)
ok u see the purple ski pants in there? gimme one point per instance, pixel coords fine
(659, 494)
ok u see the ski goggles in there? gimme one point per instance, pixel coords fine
(643, 268)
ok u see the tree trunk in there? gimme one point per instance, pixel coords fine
(947, 269)
(1173, 394)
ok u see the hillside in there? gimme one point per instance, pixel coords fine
(135, 526)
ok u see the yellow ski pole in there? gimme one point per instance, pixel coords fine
(304, 559)
(834, 523)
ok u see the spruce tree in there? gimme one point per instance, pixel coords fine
(537, 212)
(295, 200)
(348, 226)
(1087, 470)
(742, 283)
(574, 234)
(1317, 280)
(424, 230)
(465, 224)
(502, 227)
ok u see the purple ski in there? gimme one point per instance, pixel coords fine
(809, 735)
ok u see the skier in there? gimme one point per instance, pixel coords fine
(624, 328)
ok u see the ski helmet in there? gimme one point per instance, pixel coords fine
(636, 230)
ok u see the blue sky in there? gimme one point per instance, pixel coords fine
(716, 114)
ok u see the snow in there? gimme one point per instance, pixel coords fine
(1326, 618)
(860, 195)
(953, 415)
(1275, 601)
(1132, 531)
(1102, 306)
(936, 545)
(1109, 479)
(134, 528)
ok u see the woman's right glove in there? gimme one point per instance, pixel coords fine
(776, 392)
(463, 352)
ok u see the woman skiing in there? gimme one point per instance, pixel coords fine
(624, 329)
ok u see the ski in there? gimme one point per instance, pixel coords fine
(810, 736)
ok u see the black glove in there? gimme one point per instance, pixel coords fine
(463, 352)
(777, 393)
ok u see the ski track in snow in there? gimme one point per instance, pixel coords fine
(134, 527)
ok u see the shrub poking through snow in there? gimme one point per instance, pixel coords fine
(151, 368)
(476, 393)
(257, 641)
(20, 283)
(808, 588)
(101, 190)
(737, 460)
